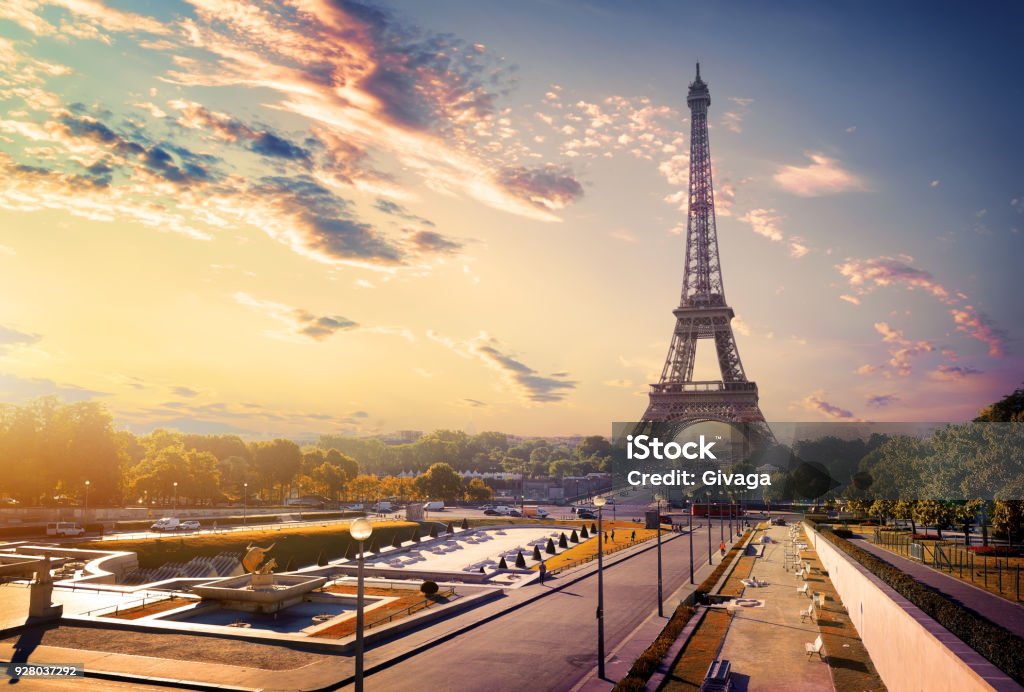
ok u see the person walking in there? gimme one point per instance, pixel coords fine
(721, 546)
(543, 571)
(632, 537)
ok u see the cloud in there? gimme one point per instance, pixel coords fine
(10, 338)
(732, 120)
(866, 275)
(620, 383)
(953, 372)
(431, 242)
(17, 389)
(854, 300)
(82, 18)
(530, 385)
(823, 176)
(299, 321)
(881, 400)
(186, 392)
(230, 129)
(548, 187)
(867, 369)
(814, 402)
(902, 350)
(475, 403)
(764, 222)
(395, 209)
(935, 183)
(797, 249)
(979, 326)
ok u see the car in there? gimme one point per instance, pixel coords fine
(586, 514)
(491, 512)
(434, 506)
(190, 525)
(514, 513)
(64, 528)
(779, 521)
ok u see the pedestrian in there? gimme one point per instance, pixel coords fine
(543, 571)
(721, 546)
(613, 535)
(632, 536)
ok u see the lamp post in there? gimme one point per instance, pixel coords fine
(660, 498)
(85, 514)
(360, 530)
(689, 520)
(175, 497)
(709, 527)
(245, 504)
(599, 503)
(721, 526)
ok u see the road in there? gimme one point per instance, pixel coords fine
(549, 644)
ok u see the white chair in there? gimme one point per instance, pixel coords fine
(803, 590)
(809, 613)
(815, 648)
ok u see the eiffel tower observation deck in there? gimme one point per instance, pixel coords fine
(703, 312)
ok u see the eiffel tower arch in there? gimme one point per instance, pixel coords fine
(677, 400)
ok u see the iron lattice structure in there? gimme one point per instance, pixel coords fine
(703, 312)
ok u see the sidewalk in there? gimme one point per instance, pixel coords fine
(330, 672)
(989, 606)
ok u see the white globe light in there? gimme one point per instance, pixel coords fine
(360, 529)
(600, 501)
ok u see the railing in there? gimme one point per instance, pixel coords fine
(704, 386)
(140, 603)
(591, 558)
(405, 612)
(999, 575)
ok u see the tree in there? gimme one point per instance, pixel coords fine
(594, 446)
(363, 488)
(903, 510)
(933, 513)
(276, 463)
(440, 481)
(1008, 409)
(478, 491)
(330, 479)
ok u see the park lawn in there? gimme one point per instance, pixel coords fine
(699, 652)
(294, 546)
(587, 548)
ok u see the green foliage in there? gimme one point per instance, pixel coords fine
(645, 665)
(584, 533)
(550, 548)
(441, 481)
(574, 537)
(502, 564)
(478, 491)
(520, 560)
(428, 588)
(1008, 409)
(563, 542)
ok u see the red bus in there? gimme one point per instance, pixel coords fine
(717, 510)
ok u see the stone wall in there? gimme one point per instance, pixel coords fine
(910, 650)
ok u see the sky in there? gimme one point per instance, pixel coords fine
(322, 216)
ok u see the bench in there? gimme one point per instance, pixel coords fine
(815, 648)
(718, 678)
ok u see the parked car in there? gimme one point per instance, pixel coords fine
(64, 528)
(491, 512)
(166, 524)
(434, 506)
(586, 514)
(190, 525)
(384, 506)
(779, 521)
(514, 513)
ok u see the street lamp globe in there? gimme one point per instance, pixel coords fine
(361, 529)
(600, 501)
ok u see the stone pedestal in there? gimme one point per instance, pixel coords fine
(40, 605)
(262, 582)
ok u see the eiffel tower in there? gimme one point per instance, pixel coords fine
(677, 399)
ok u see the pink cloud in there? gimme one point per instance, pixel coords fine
(823, 176)
(815, 403)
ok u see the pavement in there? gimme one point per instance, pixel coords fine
(550, 643)
(766, 645)
(492, 641)
(993, 608)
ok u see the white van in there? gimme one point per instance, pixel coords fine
(166, 524)
(384, 506)
(434, 506)
(64, 528)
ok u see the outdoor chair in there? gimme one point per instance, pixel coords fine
(803, 591)
(809, 613)
(815, 648)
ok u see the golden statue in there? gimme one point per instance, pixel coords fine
(267, 568)
(254, 556)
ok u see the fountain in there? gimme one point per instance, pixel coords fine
(259, 590)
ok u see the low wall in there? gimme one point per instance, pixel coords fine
(910, 650)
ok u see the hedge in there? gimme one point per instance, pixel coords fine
(1002, 648)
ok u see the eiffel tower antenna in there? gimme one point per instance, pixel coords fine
(703, 312)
